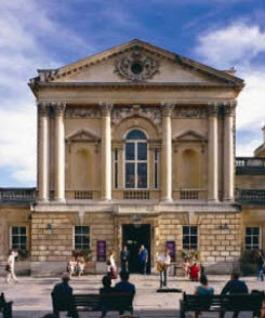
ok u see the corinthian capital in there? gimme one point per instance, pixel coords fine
(105, 108)
(213, 109)
(167, 109)
(59, 108)
(229, 108)
(43, 109)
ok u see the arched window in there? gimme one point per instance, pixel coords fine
(136, 160)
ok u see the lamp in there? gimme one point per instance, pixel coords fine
(223, 226)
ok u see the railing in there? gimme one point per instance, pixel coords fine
(136, 195)
(190, 194)
(82, 194)
(250, 165)
(17, 195)
(251, 196)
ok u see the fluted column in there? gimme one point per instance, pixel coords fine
(43, 152)
(213, 153)
(229, 152)
(59, 153)
(166, 152)
(106, 151)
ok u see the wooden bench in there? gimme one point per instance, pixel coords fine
(222, 303)
(5, 307)
(95, 302)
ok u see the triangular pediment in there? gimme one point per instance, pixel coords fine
(137, 61)
(83, 135)
(190, 136)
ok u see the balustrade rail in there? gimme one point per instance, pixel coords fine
(250, 165)
(17, 195)
(136, 194)
(251, 196)
(190, 194)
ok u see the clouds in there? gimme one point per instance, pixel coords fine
(240, 44)
(25, 29)
(234, 44)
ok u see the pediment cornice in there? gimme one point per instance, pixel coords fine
(48, 76)
(190, 136)
(83, 135)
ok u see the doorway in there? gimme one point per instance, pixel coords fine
(133, 236)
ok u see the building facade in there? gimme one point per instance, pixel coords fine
(136, 145)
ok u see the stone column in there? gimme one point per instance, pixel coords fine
(59, 153)
(229, 152)
(213, 153)
(43, 152)
(106, 151)
(166, 153)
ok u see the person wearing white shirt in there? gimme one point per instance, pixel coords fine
(10, 267)
(163, 262)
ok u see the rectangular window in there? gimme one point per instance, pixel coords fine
(252, 238)
(156, 169)
(82, 239)
(18, 237)
(190, 237)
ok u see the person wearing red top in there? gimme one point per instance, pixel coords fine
(194, 272)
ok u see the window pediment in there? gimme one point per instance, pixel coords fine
(83, 135)
(190, 136)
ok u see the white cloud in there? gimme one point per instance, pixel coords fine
(239, 44)
(24, 27)
(234, 44)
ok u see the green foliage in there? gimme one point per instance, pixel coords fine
(190, 254)
(85, 253)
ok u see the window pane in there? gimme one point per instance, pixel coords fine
(15, 240)
(248, 231)
(256, 240)
(130, 175)
(14, 230)
(255, 230)
(136, 134)
(23, 240)
(23, 230)
(193, 230)
(248, 240)
(142, 175)
(193, 240)
(130, 153)
(185, 230)
(142, 151)
(78, 229)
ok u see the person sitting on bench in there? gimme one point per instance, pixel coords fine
(124, 286)
(105, 290)
(62, 298)
(235, 286)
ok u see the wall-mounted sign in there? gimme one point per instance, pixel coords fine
(171, 247)
(101, 251)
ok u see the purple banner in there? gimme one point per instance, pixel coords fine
(101, 251)
(171, 247)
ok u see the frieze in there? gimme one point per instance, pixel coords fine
(82, 112)
(189, 112)
(151, 113)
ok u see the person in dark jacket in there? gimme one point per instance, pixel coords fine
(125, 287)
(105, 290)
(234, 286)
(62, 298)
(260, 266)
(124, 258)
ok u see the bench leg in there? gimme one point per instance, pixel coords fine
(7, 311)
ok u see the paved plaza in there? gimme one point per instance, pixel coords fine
(32, 299)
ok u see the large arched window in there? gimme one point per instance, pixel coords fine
(136, 160)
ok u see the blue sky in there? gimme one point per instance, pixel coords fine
(50, 33)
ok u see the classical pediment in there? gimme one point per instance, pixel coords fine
(83, 135)
(136, 62)
(190, 136)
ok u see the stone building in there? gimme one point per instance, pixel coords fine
(136, 145)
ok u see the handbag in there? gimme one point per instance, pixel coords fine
(7, 268)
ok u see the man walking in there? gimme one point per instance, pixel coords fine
(143, 259)
(124, 258)
(10, 267)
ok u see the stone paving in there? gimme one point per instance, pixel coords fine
(31, 296)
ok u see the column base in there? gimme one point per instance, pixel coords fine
(106, 199)
(166, 200)
(213, 200)
(59, 201)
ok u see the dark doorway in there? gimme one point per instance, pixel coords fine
(134, 236)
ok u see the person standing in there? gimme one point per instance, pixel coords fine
(112, 268)
(124, 258)
(10, 267)
(163, 262)
(143, 259)
(260, 266)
